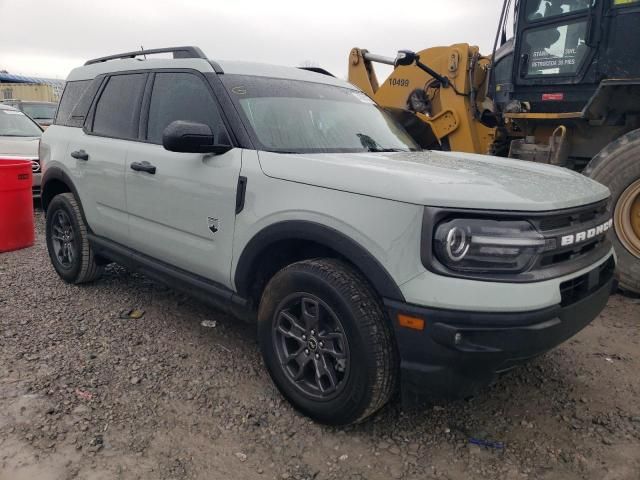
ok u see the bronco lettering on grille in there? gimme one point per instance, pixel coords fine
(586, 234)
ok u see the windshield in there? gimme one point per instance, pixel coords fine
(14, 123)
(290, 116)
(39, 111)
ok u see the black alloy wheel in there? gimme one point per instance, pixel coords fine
(62, 238)
(311, 345)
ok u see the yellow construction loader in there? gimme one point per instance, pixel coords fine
(562, 86)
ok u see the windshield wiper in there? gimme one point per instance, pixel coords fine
(370, 145)
(386, 150)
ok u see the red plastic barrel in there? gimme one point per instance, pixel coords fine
(16, 205)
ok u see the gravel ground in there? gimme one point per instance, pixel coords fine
(88, 394)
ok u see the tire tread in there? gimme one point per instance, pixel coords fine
(372, 321)
(89, 268)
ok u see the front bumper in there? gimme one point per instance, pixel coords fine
(457, 353)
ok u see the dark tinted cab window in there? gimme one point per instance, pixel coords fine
(180, 96)
(73, 91)
(118, 108)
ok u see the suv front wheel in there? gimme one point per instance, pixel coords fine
(326, 341)
(68, 243)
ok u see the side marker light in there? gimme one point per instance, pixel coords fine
(413, 323)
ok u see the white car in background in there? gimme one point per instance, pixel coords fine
(42, 112)
(19, 139)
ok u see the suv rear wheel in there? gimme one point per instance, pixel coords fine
(326, 341)
(68, 243)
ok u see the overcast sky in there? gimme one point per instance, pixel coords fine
(50, 37)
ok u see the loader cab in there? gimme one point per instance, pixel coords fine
(560, 51)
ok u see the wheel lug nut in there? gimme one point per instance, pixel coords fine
(317, 355)
(304, 337)
(313, 332)
(321, 344)
(306, 351)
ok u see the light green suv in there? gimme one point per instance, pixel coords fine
(288, 197)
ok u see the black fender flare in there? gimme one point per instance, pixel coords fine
(328, 237)
(55, 173)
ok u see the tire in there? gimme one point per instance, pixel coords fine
(66, 231)
(618, 167)
(352, 325)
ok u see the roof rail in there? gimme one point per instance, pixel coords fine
(178, 52)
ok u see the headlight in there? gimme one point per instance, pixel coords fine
(487, 246)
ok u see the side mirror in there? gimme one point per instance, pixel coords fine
(191, 137)
(405, 58)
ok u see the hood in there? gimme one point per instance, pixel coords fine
(19, 146)
(442, 179)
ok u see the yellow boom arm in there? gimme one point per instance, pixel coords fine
(452, 111)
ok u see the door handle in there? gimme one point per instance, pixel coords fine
(80, 155)
(143, 167)
(524, 65)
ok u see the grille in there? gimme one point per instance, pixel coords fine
(35, 166)
(572, 218)
(570, 222)
(574, 290)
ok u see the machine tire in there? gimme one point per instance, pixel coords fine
(82, 266)
(618, 167)
(368, 376)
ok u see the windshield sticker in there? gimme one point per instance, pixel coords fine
(239, 90)
(12, 112)
(362, 97)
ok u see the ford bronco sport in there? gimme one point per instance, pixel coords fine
(288, 196)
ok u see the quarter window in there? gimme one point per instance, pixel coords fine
(73, 91)
(117, 110)
(180, 96)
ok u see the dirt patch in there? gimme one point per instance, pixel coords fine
(89, 392)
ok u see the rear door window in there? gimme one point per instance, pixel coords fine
(180, 96)
(117, 112)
